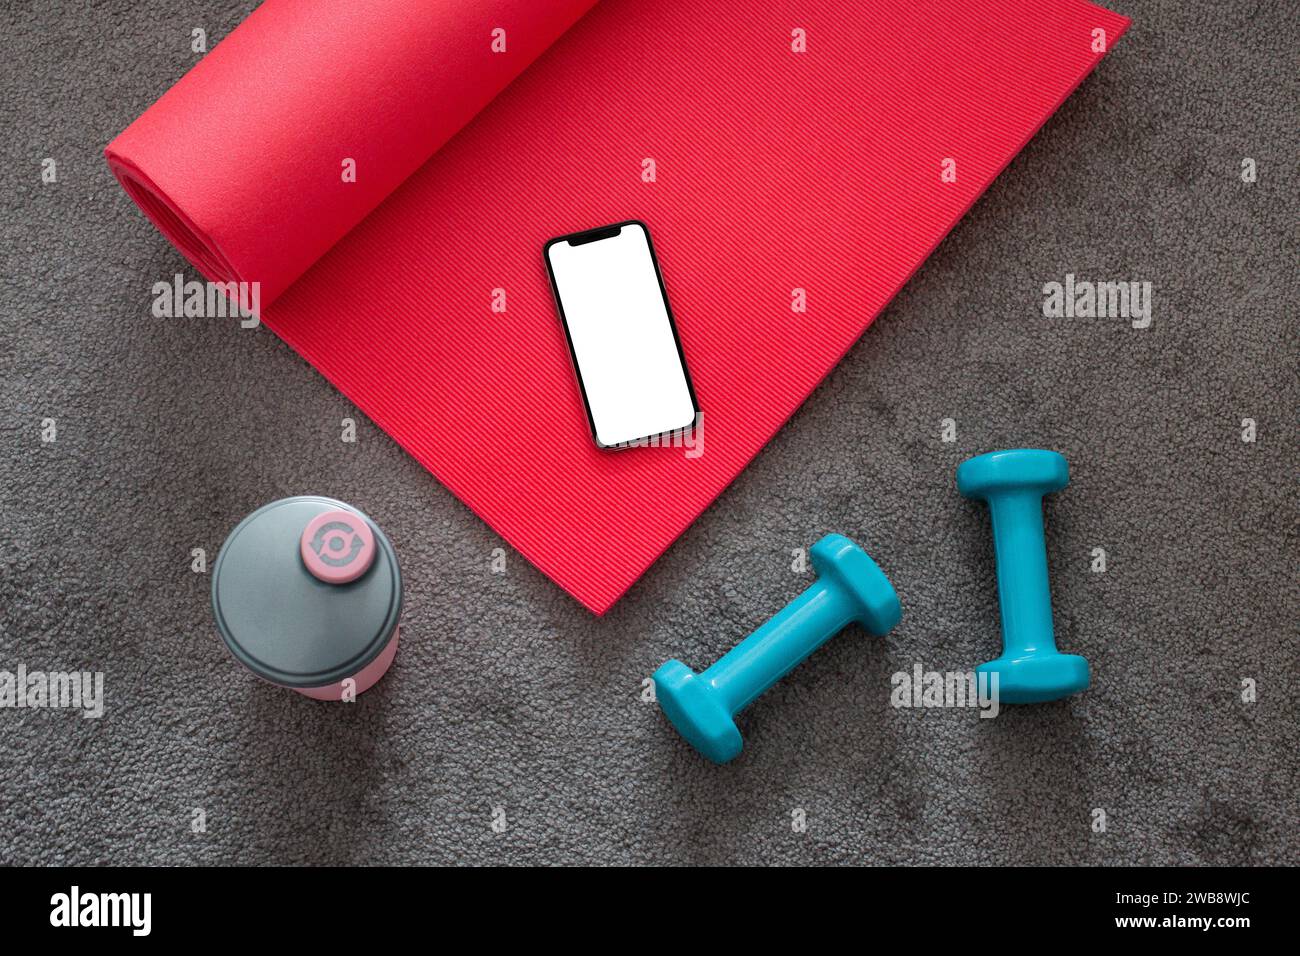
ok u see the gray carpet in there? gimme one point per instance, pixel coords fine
(507, 694)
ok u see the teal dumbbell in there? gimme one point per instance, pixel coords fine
(850, 588)
(1013, 483)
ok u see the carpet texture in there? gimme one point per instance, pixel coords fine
(511, 728)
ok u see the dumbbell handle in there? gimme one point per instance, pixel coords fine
(776, 648)
(1021, 553)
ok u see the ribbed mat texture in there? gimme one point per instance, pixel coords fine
(807, 153)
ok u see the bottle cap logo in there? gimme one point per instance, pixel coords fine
(338, 546)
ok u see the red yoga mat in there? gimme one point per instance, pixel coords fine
(817, 146)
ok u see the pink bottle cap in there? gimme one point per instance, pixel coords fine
(337, 546)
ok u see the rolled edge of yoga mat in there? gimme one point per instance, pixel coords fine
(241, 164)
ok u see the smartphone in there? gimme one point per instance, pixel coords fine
(622, 338)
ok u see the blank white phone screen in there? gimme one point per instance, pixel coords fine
(623, 343)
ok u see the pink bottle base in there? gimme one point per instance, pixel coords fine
(367, 678)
